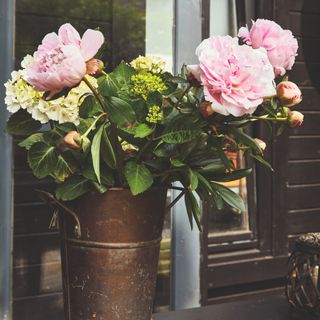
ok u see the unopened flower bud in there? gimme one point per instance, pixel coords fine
(288, 93)
(205, 109)
(72, 140)
(261, 144)
(295, 119)
(194, 75)
(94, 67)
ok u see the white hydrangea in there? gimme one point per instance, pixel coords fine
(149, 63)
(20, 94)
(66, 108)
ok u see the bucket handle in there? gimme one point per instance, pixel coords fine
(48, 198)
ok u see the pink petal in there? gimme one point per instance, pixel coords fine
(50, 41)
(91, 42)
(69, 35)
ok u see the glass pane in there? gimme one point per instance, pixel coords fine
(230, 219)
(131, 28)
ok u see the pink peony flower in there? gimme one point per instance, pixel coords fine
(288, 93)
(280, 44)
(60, 61)
(235, 78)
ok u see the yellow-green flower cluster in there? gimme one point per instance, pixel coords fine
(154, 114)
(148, 64)
(145, 83)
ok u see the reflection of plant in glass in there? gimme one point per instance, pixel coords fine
(138, 128)
(121, 22)
(128, 30)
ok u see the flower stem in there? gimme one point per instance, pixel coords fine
(269, 119)
(93, 124)
(95, 92)
(176, 105)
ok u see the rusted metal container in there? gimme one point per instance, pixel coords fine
(110, 267)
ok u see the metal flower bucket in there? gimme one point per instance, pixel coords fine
(110, 252)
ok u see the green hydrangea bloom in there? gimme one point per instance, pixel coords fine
(145, 83)
(154, 114)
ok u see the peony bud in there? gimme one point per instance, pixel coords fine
(261, 144)
(295, 119)
(205, 109)
(72, 140)
(94, 67)
(288, 93)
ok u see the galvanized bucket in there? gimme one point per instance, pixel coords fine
(110, 252)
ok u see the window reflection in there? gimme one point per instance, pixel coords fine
(230, 219)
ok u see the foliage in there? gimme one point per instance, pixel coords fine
(137, 135)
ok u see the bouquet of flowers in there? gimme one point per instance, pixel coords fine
(139, 126)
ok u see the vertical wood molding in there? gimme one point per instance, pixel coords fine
(7, 25)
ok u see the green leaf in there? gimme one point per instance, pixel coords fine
(72, 188)
(154, 99)
(215, 167)
(180, 136)
(65, 167)
(85, 144)
(280, 130)
(140, 108)
(226, 161)
(106, 175)
(27, 143)
(193, 179)
(179, 80)
(234, 175)
(164, 150)
(120, 112)
(230, 197)
(107, 152)
(84, 125)
(65, 127)
(193, 209)
(107, 86)
(262, 160)
(89, 107)
(181, 129)
(99, 187)
(138, 176)
(176, 162)
(122, 75)
(245, 139)
(142, 130)
(42, 159)
(95, 152)
(21, 123)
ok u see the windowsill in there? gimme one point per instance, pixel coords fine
(274, 307)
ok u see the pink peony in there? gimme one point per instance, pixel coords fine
(60, 61)
(235, 78)
(280, 44)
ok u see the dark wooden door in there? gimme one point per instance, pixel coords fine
(288, 200)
